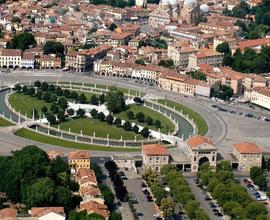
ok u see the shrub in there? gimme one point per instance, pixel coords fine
(101, 116)
(145, 132)
(149, 120)
(94, 113)
(130, 115)
(135, 129)
(157, 123)
(80, 112)
(54, 108)
(127, 126)
(109, 119)
(94, 100)
(117, 122)
(140, 117)
(70, 111)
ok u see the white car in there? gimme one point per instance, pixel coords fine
(262, 198)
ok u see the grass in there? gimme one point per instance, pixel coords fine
(101, 129)
(25, 103)
(198, 120)
(26, 133)
(166, 123)
(5, 123)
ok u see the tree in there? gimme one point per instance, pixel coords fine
(37, 83)
(101, 99)
(149, 120)
(70, 111)
(80, 112)
(47, 97)
(166, 63)
(24, 90)
(44, 86)
(115, 100)
(94, 100)
(109, 119)
(66, 93)
(44, 109)
(51, 88)
(63, 103)
(82, 98)
(31, 91)
(58, 91)
(157, 123)
(197, 74)
(140, 117)
(54, 108)
(112, 26)
(127, 126)
(130, 115)
(40, 193)
(18, 88)
(63, 196)
(255, 172)
(22, 41)
(135, 129)
(51, 118)
(39, 94)
(115, 216)
(101, 116)
(268, 164)
(254, 209)
(74, 95)
(117, 122)
(53, 47)
(223, 48)
(61, 116)
(167, 207)
(145, 132)
(140, 62)
(94, 113)
(225, 92)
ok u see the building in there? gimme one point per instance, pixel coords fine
(124, 161)
(154, 156)
(119, 39)
(50, 62)
(180, 53)
(28, 60)
(53, 154)
(83, 60)
(8, 214)
(48, 213)
(255, 80)
(95, 207)
(205, 56)
(259, 96)
(182, 12)
(201, 149)
(79, 159)
(10, 58)
(183, 84)
(248, 155)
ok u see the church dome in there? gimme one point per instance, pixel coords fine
(190, 3)
(204, 8)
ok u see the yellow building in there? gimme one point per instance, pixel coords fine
(248, 155)
(79, 159)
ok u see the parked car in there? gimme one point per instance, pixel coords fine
(143, 184)
(149, 198)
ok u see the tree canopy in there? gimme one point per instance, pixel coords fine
(53, 47)
(115, 100)
(22, 41)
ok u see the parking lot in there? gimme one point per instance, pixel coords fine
(209, 206)
(147, 209)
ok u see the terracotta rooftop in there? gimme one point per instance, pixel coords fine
(78, 155)
(253, 43)
(11, 52)
(247, 148)
(263, 90)
(41, 211)
(55, 153)
(8, 213)
(195, 141)
(95, 207)
(154, 149)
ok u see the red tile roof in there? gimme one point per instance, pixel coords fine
(8, 213)
(195, 141)
(41, 211)
(248, 148)
(253, 43)
(95, 207)
(78, 155)
(263, 90)
(154, 149)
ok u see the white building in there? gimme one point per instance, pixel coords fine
(10, 58)
(259, 96)
(28, 60)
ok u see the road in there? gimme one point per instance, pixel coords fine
(199, 197)
(224, 129)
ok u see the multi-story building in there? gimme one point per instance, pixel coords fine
(79, 159)
(10, 58)
(50, 62)
(28, 60)
(259, 96)
(180, 54)
(183, 84)
(248, 155)
(205, 56)
(154, 156)
(255, 80)
(83, 60)
(201, 149)
(118, 39)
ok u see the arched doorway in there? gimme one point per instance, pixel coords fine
(203, 160)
